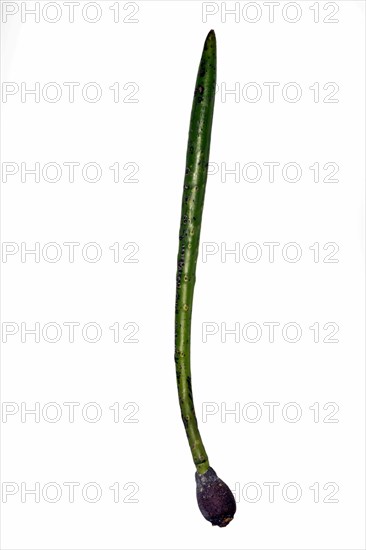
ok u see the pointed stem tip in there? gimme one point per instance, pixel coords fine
(211, 38)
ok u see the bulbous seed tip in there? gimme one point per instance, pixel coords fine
(215, 500)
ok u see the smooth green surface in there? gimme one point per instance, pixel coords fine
(198, 150)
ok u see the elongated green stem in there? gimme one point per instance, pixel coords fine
(198, 150)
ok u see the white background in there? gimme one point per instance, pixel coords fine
(160, 53)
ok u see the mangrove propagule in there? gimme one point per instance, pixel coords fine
(215, 500)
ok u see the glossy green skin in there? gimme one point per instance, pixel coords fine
(198, 150)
